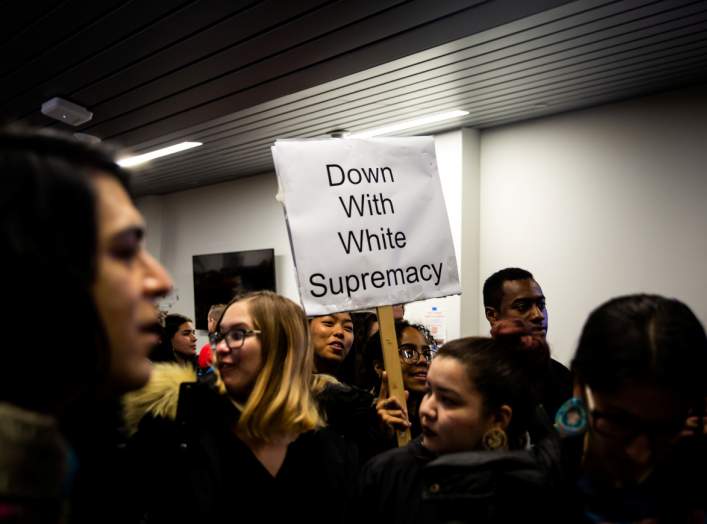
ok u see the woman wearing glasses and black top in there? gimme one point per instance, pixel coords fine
(252, 448)
(416, 347)
(487, 452)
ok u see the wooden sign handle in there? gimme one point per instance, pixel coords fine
(391, 361)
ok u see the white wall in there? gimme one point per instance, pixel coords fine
(446, 311)
(233, 216)
(598, 203)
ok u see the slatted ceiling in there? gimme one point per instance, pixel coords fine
(260, 161)
(197, 77)
(499, 97)
(249, 97)
(238, 75)
(492, 60)
(23, 14)
(167, 65)
(289, 33)
(591, 87)
(50, 29)
(105, 33)
(151, 44)
(353, 27)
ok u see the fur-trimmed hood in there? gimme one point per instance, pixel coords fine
(160, 396)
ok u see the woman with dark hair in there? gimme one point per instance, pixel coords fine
(639, 401)
(416, 348)
(487, 452)
(178, 341)
(332, 337)
(251, 448)
(349, 410)
(71, 240)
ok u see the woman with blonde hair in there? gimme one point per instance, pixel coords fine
(231, 451)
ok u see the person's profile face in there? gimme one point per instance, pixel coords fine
(128, 281)
(633, 429)
(524, 300)
(184, 340)
(452, 411)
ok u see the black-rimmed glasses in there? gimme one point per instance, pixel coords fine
(235, 338)
(411, 354)
(626, 428)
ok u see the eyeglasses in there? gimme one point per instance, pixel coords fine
(411, 354)
(626, 428)
(235, 338)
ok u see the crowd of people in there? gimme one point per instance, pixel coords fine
(281, 416)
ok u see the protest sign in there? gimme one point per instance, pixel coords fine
(367, 222)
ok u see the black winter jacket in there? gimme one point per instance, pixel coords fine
(194, 469)
(411, 485)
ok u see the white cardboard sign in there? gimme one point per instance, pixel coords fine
(367, 222)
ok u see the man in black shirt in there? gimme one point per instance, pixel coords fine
(513, 293)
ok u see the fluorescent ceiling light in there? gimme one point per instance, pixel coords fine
(157, 153)
(408, 124)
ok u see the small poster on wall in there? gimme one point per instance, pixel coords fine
(367, 221)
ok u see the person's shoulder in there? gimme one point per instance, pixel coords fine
(326, 442)
(341, 393)
(558, 367)
(345, 407)
(413, 453)
(559, 371)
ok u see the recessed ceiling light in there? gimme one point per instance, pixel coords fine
(131, 161)
(408, 124)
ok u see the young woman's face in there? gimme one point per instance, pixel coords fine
(633, 429)
(128, 281)
(239, 367)
(184, 340)
(451, 411)
(332, 336)
(414, 373)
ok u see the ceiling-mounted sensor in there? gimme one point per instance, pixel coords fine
(65, 111)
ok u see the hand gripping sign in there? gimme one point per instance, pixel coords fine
(367, 224)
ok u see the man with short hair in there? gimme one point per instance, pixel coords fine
(212, 318)
(513, 293)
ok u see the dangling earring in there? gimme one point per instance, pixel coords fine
(494, 438)
(571, 418)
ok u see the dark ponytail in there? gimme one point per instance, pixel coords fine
(505, 370)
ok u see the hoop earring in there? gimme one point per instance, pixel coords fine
(572, 418)
(494, 438)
